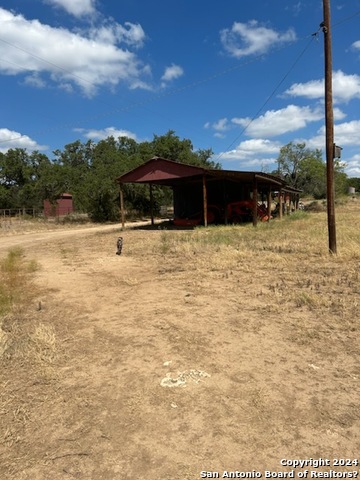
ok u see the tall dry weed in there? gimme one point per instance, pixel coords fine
(28, 348)
(22, 336)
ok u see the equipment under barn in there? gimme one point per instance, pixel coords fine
(202, 195)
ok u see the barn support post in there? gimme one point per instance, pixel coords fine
(269, 204)
(281, 204)
(287, 202)
(122, 211)
(151, 204)
(225, 199)
(297, 200)
(255, 203)
(205, 201)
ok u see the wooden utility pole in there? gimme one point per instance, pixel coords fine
(329, 124)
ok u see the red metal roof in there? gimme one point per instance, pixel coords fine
(160, 170)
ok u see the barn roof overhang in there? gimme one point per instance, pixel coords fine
(161, 171)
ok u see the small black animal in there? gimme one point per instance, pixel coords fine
(119, 245)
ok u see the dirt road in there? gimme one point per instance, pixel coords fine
(33, 238)
(167, 365)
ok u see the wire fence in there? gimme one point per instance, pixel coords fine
(12, 217)
(6, 213)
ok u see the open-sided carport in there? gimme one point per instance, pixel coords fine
(204, 191)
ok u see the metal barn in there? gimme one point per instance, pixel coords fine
(203, 196)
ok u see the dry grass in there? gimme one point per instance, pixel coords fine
(15, 274)
(23, 336)
(28, 347)
(267, 312)
(291, 266)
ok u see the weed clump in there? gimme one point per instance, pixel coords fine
(20, 336)
(15, 285)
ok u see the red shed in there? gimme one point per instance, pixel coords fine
(63, 206)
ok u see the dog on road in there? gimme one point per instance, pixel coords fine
(119, 245)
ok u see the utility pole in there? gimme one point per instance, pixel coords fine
(329, 124)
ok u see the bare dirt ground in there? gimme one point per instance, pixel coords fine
(176, 358)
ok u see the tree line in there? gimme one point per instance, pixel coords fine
(88, 171)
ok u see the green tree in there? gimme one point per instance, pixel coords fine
(171, 147)
(20, 174)
(110, 158)
(294, 160)
(89, 170)
(340, 178)
(305, 169)
(99, 187)
(75, 163)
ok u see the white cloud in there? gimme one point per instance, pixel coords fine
(9, 139)
(130, 34)
(35, 80)
(317, 141)
(275, 122)
(338, 114)
(97, 135)
(140, 84)
(77, 8)
(220, 127)
(345, 135)
(63, 57)
(171, 73)
(250, 38)
(297, 8)
(278, 122)
(345, 88)
(251, 153)
(353, 166)
(257, 146)
(249, 164)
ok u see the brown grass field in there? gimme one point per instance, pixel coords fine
(221, 349)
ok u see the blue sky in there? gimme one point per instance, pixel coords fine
(241, 77)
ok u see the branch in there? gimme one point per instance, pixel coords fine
(79, 454)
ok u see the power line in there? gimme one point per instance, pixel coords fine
(155, 97)
(314, 35)
(346, 19)
(46, 61)
(169, 93)
(270, 96)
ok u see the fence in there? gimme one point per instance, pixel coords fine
(12, 217)
(7, 213)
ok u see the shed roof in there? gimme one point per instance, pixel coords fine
(162, 171)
